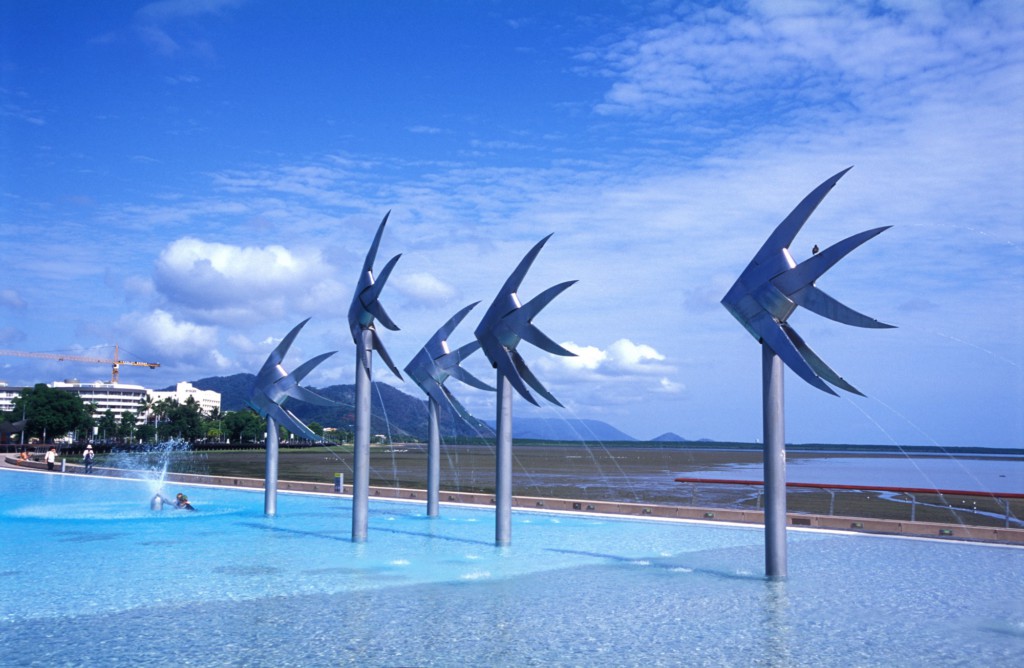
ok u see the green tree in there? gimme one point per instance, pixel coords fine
(126, 429)
(213, 427)
(107, 425)
(145, 432)
(183, 421)
(159, 411)
(50, 412)
(244, 426)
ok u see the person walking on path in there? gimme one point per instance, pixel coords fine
(88, 456)
(51, 458)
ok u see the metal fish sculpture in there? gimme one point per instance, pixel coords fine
(274, 386)
(507, 322)
(435, 363)
(773, 285)
(366, 306)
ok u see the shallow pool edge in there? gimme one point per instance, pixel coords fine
(721, 516)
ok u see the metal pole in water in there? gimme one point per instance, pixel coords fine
(503, 465)
(433, 460)
(774, 464)
(361, 459)
(270, 481)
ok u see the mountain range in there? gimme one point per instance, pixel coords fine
(392, 412)
(399, 415)
(554, 429)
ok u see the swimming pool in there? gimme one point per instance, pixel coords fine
(90, 575)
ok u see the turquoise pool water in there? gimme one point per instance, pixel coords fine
(90, 576)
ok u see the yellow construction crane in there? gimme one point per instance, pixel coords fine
(115, 363)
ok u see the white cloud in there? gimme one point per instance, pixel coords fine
(425, 130)
(626, 355)
(160, 333)
(425, 288)
(153, 21)
(621, 358)
(136, 287)
(587, 357)
(669, 386)
(165, 10)
(157, 39)
(714, 122)
(847, 57)
(10, 336)
(11, 299)
(221, 282)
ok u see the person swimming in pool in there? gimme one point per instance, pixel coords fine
(181, 502)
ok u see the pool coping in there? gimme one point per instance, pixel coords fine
(798, 521)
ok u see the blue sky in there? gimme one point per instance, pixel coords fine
(191, 178)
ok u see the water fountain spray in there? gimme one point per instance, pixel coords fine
(431, 366)
(762, 299)
(361, 314)
(272, 387)
(505, 324)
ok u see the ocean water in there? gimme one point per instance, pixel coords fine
(91, 576)
(989, 475)
(976, 474)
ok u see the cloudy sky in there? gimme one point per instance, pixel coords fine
(191, 178)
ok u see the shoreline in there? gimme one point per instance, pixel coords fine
(799, 521)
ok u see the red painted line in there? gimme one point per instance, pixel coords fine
(870, 488)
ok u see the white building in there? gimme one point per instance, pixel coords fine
(106, 396)
(7, 396)
(119, 397)
(208, 400)
(102, 395)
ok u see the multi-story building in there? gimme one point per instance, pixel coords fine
(208, 400)
(119, 397)
(7, 396)
(104, 396)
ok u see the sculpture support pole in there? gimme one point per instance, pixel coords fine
(762, 299)
(361, 458)
(433, 460)
(270, 483)
(503, 465)
(774, 464)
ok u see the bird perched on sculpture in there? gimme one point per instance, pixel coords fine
(773, 285)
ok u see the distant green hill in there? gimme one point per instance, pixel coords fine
(402, 416)
(393, 412)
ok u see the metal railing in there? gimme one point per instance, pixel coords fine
(910, 492)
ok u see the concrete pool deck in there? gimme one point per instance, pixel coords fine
(654, 511)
